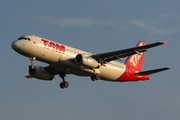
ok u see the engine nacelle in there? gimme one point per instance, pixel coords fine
(40, 73)
(86, 61)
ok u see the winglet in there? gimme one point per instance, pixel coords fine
(165, 43)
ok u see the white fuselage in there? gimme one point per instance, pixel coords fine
(62, 58)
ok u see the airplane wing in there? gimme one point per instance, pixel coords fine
(152, 71)
(107, 57)
(52, 70)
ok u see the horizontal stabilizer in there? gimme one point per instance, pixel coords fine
(152, 71)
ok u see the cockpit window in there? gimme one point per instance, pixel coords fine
(24, 38)
(20, 38)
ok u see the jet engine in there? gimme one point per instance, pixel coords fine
(40, 73)
(86, 61)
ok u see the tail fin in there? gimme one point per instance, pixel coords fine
(136, 61)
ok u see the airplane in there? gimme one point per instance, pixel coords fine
(64, 60)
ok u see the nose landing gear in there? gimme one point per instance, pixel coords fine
(32, 59)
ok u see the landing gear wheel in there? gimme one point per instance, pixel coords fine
(61, 85)
(31, 67)
(95, 77)
(32, 59)
(64, 84)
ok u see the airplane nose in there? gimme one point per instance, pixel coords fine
(15, 45)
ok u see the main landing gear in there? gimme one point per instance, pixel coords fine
(95, 77)
(63, 84)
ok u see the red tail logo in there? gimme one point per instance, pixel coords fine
(136, 61)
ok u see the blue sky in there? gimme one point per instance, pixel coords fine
(95, 26)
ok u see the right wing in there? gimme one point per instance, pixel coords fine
(107, 57)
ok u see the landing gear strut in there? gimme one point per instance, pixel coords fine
(63, 84)
(32, 59)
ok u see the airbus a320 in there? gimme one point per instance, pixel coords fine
(64, 60)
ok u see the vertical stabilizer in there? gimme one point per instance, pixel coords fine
(136, 61)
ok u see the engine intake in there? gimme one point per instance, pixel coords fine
(86, 61)
(40, 73)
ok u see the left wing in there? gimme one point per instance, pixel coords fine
(107, 57)
(52, 70)
(49, 69)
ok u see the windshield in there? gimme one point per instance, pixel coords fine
(24, 38)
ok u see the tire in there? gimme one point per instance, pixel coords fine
(97, 76)
(62, 85)
(66, 84)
